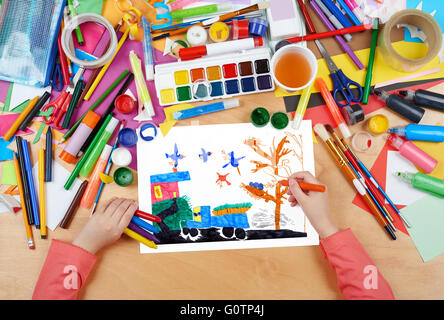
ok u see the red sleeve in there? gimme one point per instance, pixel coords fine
(358, 277)
(64, 272)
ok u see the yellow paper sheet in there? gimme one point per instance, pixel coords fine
(169, 122)
(381, 71)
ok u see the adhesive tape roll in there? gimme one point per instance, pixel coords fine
(426, 23)
(68, 46)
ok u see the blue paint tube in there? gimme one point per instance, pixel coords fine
(420, 132)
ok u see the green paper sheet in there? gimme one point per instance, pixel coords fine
(89, 6)
(8, 95)
(426, 217)
(8, 173)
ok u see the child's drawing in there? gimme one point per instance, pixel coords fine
(204, 155)
(204, 208)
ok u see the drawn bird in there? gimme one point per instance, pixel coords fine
(175, 156)
(204, 156)
(233, 161)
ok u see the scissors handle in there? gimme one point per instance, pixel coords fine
(343, 85)
(57, 106)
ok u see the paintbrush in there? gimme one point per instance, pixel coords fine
(352, 176)
(223, 17)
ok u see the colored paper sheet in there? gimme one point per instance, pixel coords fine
(427, 226)
(6, 120)
(8, 173)
(58, 199)
(169, 122)
(433, 7)
(398, 190)
(89, 6)
(21, 93)
(5, 152)
(92, 33)
(381, 72)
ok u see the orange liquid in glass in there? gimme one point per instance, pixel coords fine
(293, 70)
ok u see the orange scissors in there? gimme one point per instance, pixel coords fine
(60, 104)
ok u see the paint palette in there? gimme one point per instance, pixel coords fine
(216, 77)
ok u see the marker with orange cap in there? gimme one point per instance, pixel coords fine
(74, 144)
(333, 107)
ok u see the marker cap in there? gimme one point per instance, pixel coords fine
(91, 119)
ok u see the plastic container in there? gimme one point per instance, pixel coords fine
(239, 29)
(125, 104)
(260, 117)
(123, 177)
(127, 137)
(121, 157)
(279, 120)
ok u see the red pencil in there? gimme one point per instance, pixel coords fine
(332, 33)
(63, 58)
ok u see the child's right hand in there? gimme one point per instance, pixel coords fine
(314, 204)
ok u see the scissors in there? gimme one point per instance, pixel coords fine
(60, 104)
(342, 85)
(57, 76)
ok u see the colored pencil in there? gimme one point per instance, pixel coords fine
(142, 232)
(29, 236)
(23, 173)
(30, 116)
(13, 128)
(331, 33)
(48, 155)
(371, 59)
(32, 192)
(42, 197)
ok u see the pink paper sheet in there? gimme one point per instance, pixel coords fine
(6, 121)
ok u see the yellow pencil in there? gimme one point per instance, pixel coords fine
(105, 67)
(42, 198)
(22, 201)
(20, 119)
(138, 237)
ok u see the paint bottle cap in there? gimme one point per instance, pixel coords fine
(260, 117)
(125, 104)
(121, 157)
(127, 137)
(279, 120)
(258, 27)
(197, 36)
(239, 29)
(145, 130)
(362, 141)
(378, 124)
(123, 177)
(353, 114)
(219, 32)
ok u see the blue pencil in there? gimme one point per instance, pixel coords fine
(32, 193)
(338, 14)
(350, 14)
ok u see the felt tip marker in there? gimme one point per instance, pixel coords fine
(333, 19)
(209, 108)
(355, 9)
(349, 13)
(213, 49)
(425, 98)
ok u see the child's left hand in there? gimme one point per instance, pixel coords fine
(106, 225)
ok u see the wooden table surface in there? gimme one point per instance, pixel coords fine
(122, 272)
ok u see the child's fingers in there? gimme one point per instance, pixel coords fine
(296, 190)
(107, 204)
(112, 207)
(127, 215)
(304, 176)
(120, 210)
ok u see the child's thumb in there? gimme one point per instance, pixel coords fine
(295, 189)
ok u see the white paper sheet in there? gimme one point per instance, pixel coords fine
(203, 190)
(57, 198)
(21, 93)
(398, 190)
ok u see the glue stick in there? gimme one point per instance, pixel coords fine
(423, 182)
(94, 183)
(97, 149)
(74, 144)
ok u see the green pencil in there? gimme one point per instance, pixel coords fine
(85, 156)
(371, 59)
(95, 105)
(72, 13)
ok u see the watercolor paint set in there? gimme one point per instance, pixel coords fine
(217, 77)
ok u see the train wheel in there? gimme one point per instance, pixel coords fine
(228, 232)
(240, 233)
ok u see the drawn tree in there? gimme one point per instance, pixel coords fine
(276, 166)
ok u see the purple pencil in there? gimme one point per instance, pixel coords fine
(142, 232)
(340, 40)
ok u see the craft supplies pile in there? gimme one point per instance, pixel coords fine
(97, 92)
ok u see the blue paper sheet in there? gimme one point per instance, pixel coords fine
(429, 7)
(5, 153)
